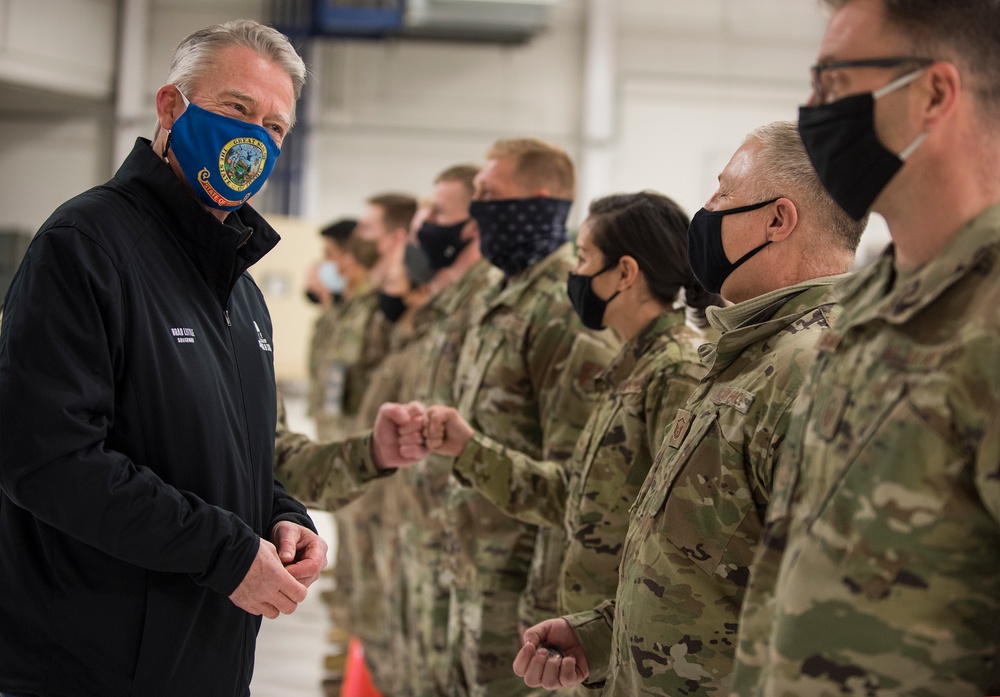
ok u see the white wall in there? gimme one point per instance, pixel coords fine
(63, 45)
(45, 160)
(57, 64)
(392, 115)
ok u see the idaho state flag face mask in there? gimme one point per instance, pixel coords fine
(225, 160)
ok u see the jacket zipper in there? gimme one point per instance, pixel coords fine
(246, 426)
(253, 476)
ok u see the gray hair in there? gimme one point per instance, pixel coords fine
(193, 57)
(783, 168)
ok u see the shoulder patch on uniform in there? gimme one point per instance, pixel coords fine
(680, 428)
(727, 396)
(830, 410)
(588, 374)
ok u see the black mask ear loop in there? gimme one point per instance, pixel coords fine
(746, 257)
(606, 268)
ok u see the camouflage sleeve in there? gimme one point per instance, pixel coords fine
(322, 475)
(531, 491)
(594, 630)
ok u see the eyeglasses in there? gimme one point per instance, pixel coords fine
(821, 91)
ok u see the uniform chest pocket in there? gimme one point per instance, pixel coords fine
(705, 506)
(882, 509)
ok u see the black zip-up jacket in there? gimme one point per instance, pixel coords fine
(137, 417)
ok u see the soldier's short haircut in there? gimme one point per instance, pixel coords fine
(397, 209)
(194, 57)
(538, 165)
(963, 32)
(783, 168)
(463, 174)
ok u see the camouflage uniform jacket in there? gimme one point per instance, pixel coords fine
(522, 380)
(423, 487)
(698, 517)
(880, 568)
(638, 395)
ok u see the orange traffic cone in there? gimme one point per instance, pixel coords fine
(357, 679)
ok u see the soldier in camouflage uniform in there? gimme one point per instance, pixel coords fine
(698, 517)
(346, 343)
(342, 364)
(330, 475)
(378, 575)
(522, 379)
(365, 529)
(632, 262)
(879, 573)
(450, 238)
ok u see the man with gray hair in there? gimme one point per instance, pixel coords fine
(142, 533)
(772, 241)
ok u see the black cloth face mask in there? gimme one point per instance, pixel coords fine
(392, 306)
(851, 162)
(589, 306)
(517, 233)
(708, 257)
(442, 243)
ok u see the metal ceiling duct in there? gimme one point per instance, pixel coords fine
(503, 21)
(477, 20)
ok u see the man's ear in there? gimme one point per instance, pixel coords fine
(169, 105)
(939, 93)
(782, 221)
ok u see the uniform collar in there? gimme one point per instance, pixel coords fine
(726, 319)
(762, 318)
(879, 292)
(551, 266)
(624, 363)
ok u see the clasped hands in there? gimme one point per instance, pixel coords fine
(282, 571)
(404, 434)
